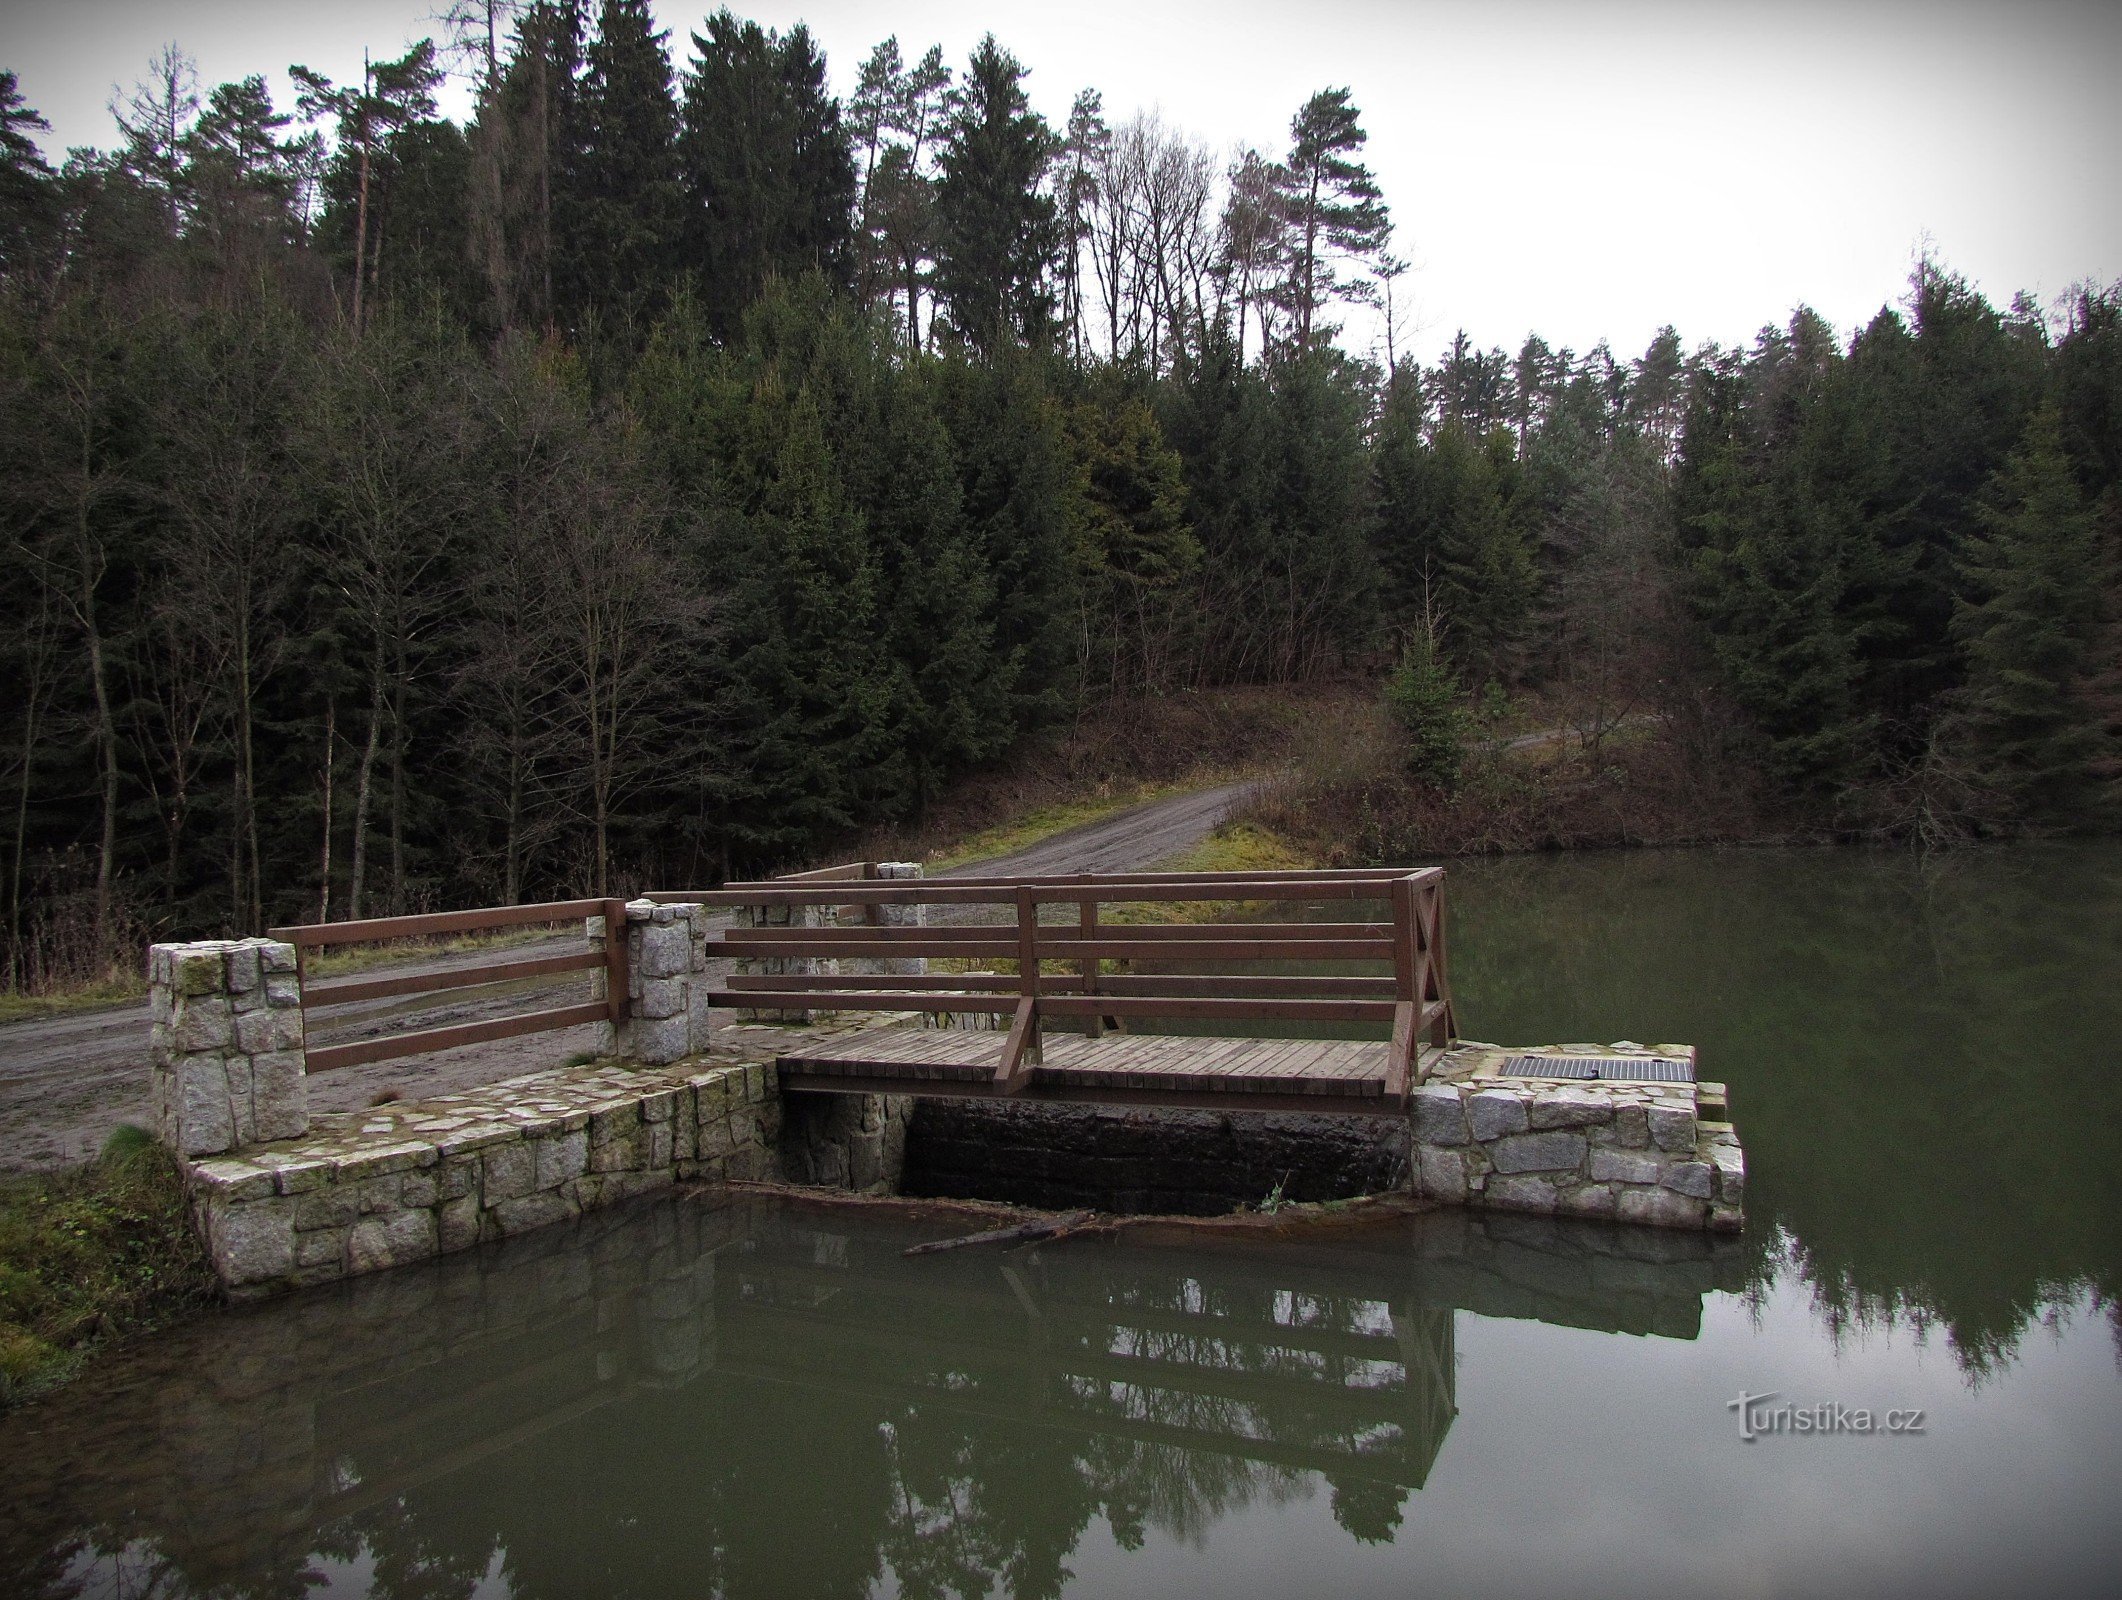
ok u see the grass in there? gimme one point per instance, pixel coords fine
(111, 990)
(90, 1257)
(342, 960)
(1043, 823)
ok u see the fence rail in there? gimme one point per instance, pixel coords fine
(1413, 1001)
(611, 961)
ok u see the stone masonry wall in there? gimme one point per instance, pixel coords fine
(225, 1044)
(397, 1184)
(1612, 1149)
(846, 1141)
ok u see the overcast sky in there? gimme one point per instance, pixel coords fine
(1581, 170)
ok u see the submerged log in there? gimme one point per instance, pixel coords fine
(1022, 1233)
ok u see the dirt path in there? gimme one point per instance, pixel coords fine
(67, 1081)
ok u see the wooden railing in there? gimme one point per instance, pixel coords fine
(322, 935)
(1414, 1000)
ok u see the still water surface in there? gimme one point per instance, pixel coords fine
(690, 1399)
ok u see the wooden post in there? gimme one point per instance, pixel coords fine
(1021, 1054)
(1407, 994)
(615, 966)
(1087, 923)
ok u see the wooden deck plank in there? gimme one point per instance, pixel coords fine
(1138, 1063)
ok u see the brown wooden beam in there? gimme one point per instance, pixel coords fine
(346, 991)
(324, 1058)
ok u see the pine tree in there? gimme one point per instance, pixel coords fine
(2031, 604)
(1332, 205)
(997, 236)
(28, 201)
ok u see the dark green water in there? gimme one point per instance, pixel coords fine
(690, 1400)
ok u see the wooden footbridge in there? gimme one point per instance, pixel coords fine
(1074, 964)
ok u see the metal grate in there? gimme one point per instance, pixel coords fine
(1623, 1069)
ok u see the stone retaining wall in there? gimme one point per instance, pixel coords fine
(1612, 1149)
(397, 1184)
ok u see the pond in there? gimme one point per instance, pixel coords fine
(696, 1397)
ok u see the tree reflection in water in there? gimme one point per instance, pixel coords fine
(746, 1400)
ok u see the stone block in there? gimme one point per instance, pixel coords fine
(457, 1223)
(390, 1241)
(202, 1023)
(1538, 1152)
(1569, 1108)
(1495, 1114)
(661, 1146)
(658, 1107)
(510, 1172)
(1672, 1127)
(197, 1119)
(1691, 1178)
(197, 970)
(660, 1040)
(418, 1191)
(320, 1247)
(1439, 1115)
(659, 999)
(336, 1207)
(1726, 1219)
(1440, 1174)
(538, 1210)
(619, 1154)
(283, 989)
(1591, 1200)
(276, 955)
(559, 1159)
(253, 1241)
(231, 1181)
(666, 949)
(280, 1093)
(1658, 1208)
(269, 1031)
(1536, 1195)
(291, 1176)
(456, 1178)
(244, 974)
(1731, 1173)
(1622, 1166)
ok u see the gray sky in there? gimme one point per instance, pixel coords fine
(1580, 170)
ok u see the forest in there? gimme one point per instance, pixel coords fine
(675, 468)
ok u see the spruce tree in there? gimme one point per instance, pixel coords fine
(767, 168)
(629, 163)
(2030, 608)
(997, 232)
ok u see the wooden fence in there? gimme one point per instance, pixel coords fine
(324, 935)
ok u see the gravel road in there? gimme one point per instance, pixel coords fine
(67, 1081)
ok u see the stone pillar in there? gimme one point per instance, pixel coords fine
(782, 917)
(666, 975)
(226, 1045)
(898, 917)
